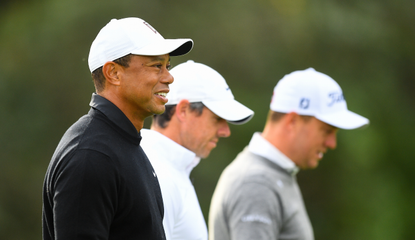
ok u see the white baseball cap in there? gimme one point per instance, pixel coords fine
(197, 82)
(132, 36)
(312, 93)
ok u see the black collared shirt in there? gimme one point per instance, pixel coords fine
(99, 183)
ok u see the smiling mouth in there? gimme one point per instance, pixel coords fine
(162, 94)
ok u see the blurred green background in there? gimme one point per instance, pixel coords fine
(362, 191)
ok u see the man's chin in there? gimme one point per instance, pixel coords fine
(313, 165)
(310, 165)
(159, 110)
(203, 155)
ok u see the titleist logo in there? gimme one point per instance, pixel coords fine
(304, 103)
(335, 97)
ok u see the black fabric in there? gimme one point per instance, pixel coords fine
(99, 183)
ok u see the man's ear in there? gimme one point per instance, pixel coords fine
(111, 73)
(291, 120)
(182, 110)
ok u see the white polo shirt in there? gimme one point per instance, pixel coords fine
(183, 218)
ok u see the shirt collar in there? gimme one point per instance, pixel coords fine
(180, 157)
(116, 116)
(260, 146)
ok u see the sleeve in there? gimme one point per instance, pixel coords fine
(85, 196)
(254, 212)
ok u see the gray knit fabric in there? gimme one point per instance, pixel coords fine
(256, 199)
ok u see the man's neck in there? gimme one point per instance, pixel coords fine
(135, 118)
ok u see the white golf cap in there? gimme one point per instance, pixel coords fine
(197, 82)
(312, 93)
(132, 36)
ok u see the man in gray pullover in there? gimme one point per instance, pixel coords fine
(257, 196)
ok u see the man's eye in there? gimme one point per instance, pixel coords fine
(161, 66)
(331, 131)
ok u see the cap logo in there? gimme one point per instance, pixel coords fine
(335, 97)
(304, 103)
(151, 28)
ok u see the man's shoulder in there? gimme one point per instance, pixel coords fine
(255, 165)
(91, 132)
(249, 168)
(151, 141)
(88, 123)
(85, 132)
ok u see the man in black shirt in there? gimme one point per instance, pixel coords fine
(99, 183)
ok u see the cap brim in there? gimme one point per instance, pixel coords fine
(230, 110)
(174, 47)
(344, 120)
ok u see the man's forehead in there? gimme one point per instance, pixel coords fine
(208, 112)
(326, 125)
(165, 57)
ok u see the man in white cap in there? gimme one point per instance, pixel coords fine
(257, 196)
(99, 183)
(197, 114)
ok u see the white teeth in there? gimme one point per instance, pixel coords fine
(162, 94)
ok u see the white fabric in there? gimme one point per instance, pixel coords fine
(197, 82)
(121, 37)
(260, 146)
(312, 93)
(183, 218)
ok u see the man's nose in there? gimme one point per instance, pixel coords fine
(224, 130)
(167, 77)
(331, 141)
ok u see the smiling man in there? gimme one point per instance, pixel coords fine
(257, 196)
(99, 183)
(197, 114)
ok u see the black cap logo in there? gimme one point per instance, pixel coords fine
(149, 26)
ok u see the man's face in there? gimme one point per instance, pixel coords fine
(201, 134)
(145, 84)
(313, 139)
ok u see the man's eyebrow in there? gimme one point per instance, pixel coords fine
(159, 58)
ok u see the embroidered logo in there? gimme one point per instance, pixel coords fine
(335, 97)
(149, 26)
(304, 103)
